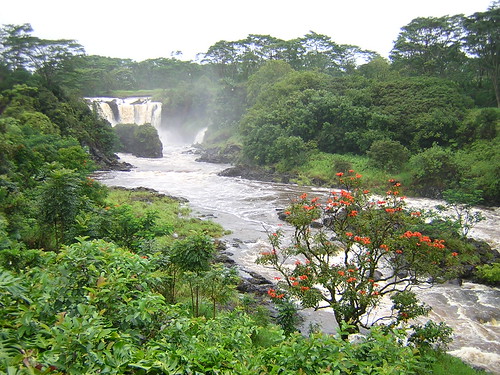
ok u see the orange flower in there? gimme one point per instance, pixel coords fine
(341, 273)
(454, 254)
(340, 174)
(348, 234)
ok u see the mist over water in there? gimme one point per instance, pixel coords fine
(248, 209)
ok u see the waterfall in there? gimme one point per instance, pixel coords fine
(134, 110)
(200, 136)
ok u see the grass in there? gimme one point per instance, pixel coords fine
(171, 213)
(446, 364)
(323, 166)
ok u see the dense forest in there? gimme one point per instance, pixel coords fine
(98, 280)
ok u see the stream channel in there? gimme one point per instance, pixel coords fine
(249, 208)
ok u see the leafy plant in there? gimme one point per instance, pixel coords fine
(349, 251)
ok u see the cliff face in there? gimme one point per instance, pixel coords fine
(139, 140)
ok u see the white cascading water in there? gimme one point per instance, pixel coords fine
(134, 110)
(198, 139)
(248, 208)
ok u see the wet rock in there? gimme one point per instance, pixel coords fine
(255, 173)
(457, 281)
(316, 224)
(217, 155)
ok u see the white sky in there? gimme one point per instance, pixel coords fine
(154, 28)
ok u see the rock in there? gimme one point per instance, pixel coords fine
(255, 173)
(457, 281)
(216, 155)
(316, 224)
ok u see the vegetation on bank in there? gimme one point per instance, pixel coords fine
(94, 280)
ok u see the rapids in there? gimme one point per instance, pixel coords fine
(248, 210)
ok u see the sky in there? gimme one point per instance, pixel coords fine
(146, 29)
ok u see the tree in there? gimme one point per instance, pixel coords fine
(434, 170)
(388, 155)
(430, 46)
(363, 249)
(193, 256)
(483, 42)
(271, 72)
(59, 201)
(47, 57)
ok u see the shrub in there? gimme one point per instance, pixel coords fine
(388, 155)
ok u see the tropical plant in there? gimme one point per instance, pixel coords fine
(349, 251)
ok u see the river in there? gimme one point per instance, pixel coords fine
(248, 208)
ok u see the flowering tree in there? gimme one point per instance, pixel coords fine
(352, 249)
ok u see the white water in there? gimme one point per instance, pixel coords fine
(248, 208)
(133, 110)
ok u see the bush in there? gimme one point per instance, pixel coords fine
(434, 170)
(489, 273)
(388, 155)
(139, 140)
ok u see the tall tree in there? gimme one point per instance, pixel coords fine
(430, 46)
(483, 42)
(20, 50)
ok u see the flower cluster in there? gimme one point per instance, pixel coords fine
(273, 294)
(424, 239)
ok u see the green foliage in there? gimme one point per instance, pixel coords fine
(434, 335)
(338, 265)
(444, 364)
(489, 273)
(480, 123)
(288, 317)
(434, 170)
(479, 165)
(419, 112)
(459, 208)
(431, 46)
(388, 155)
(59, 200)
(140, 140)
